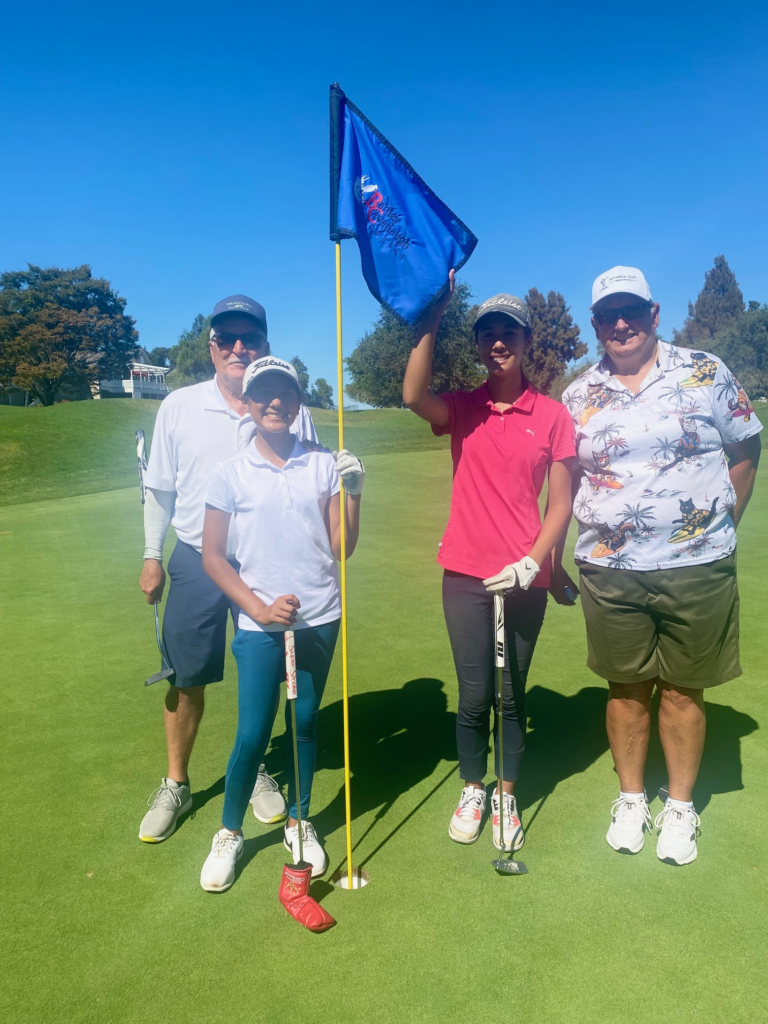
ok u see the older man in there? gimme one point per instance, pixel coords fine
(668, 449)
(197, 427)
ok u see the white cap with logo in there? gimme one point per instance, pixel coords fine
(269, 364)
(620, 280)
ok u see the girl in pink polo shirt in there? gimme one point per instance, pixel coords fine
(505, 439)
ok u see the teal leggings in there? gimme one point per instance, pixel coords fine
(260, 661)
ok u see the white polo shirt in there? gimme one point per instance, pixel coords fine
(195, 429)
(279, 520)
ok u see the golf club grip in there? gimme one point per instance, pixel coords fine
(500, 640)
(290, 664)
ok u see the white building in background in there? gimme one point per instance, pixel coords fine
(145, 381)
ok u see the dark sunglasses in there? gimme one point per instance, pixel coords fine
(226, 340)
(626, 313)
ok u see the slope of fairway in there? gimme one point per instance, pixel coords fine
(84, 447)
(99, 928)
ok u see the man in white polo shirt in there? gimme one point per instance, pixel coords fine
(197, 427)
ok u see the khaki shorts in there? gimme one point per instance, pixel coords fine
(679, 624)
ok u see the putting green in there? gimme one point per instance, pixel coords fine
(99, 927)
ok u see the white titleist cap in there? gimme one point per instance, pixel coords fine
(620, 279)
(269, 364)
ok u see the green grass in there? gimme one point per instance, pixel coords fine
(85, 447)
(101, 929)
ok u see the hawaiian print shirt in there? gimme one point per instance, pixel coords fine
(656, 493)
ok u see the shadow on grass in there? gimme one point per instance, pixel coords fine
(720, 770)
(400, 737)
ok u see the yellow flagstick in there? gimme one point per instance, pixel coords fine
(343, 573)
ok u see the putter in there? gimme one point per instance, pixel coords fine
(141, 456)
(504, 867)
(166, 670)
(291, 691)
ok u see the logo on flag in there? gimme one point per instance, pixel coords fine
(408, 238)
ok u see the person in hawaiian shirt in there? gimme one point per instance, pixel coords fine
(668, 449)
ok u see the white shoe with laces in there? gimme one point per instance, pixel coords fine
(218, 872)
(468, 816)
(267, 800)
(677, 837)
(314, 854)
(630, 818)
(514, 837)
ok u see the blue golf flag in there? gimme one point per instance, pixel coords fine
(408, 238)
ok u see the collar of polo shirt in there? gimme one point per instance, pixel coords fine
(525, 402)
(298, 456)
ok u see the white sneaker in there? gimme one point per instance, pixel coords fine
(468, 816)
(514, 837)
(629, 820)
(677, 839)
(267, 800)
(218, 872)
(314, 854)
(166, 805)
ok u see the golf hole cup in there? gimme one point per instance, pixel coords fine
(359, 879)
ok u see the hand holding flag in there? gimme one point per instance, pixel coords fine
(408, 238)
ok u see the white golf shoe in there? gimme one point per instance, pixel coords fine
(314, 854)
(218, 872)
(468, 816)
(677, 837)
(166, 805)
(514, 837)
(267, 800)
(630, 817)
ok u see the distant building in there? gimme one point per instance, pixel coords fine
(144, 381)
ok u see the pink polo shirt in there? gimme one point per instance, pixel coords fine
(500, 462)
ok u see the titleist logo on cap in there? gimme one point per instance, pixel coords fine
(502, 302)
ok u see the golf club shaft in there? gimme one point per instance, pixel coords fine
(500, 657)
(291, 691)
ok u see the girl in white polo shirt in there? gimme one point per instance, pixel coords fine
(284, 505)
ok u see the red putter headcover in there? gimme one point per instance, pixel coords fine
(294, 895)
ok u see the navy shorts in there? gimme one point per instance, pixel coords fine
(195, 620)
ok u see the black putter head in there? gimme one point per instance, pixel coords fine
(158, 677)
(510, 867)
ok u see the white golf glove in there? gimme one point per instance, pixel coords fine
(523, 572)
(351, 471)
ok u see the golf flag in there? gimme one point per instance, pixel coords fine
(408, 238)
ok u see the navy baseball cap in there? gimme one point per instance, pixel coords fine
(242, 306)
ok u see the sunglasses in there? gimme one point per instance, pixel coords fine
(626, 313)
(226, 340)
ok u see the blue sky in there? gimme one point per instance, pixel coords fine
(182, 149)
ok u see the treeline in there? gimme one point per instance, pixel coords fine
(720, 322)
(63, 330)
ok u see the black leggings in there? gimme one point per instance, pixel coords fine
(468, 611)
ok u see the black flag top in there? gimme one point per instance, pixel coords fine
(408, 238)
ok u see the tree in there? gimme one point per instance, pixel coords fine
(303, 374)
(719, 305)
(556, 340)
(743, 347)
(160, 357)
(321, 395)
(191, 356)
(377, 364)
(61, 329)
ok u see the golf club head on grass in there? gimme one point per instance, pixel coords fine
(509, 867)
